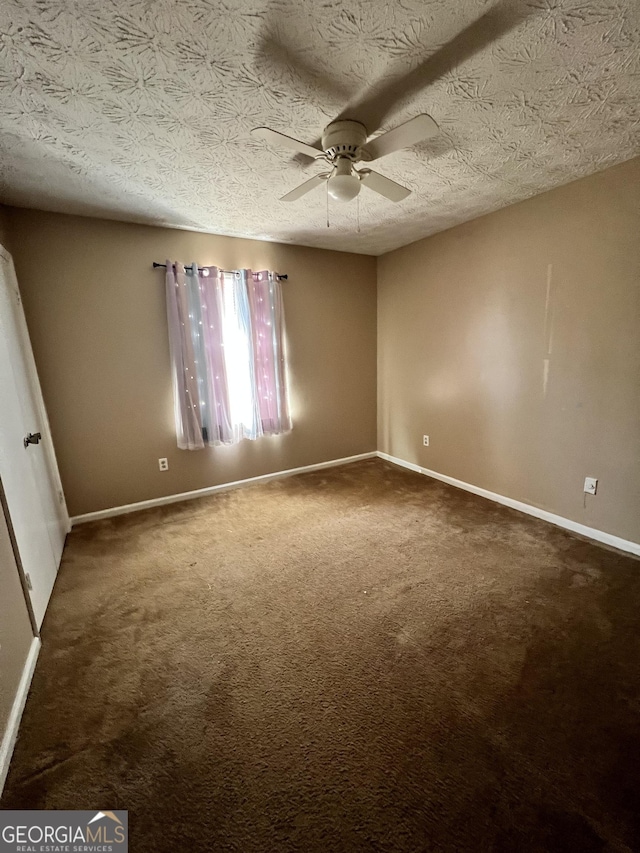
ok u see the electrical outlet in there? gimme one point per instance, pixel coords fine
(425, 440)
(590, 485)
(163, 464)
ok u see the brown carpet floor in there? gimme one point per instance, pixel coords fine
(358, 659)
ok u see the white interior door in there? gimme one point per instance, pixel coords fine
(29, 473)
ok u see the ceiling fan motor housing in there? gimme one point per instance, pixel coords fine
(344, 145)
(344, 139)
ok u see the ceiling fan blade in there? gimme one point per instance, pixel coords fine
(385, 186)
(407, 134)
(279, 139)
(379, 102)
(304, 188)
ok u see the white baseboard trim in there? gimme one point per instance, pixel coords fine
(212, 490)
(13, 723)
(558, 520)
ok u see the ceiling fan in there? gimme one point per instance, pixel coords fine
(344, 141)
(344, 144)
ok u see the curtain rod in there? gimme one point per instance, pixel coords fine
(280, 277)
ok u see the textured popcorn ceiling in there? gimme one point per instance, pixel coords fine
(141, 109)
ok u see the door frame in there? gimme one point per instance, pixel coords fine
(21, 573)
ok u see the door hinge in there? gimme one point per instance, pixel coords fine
(27, 578)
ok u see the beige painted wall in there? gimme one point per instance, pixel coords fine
(15, 628)
(514, 342)
(96, 315)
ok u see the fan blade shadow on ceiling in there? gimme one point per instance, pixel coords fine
(280, 59)
(384, 98)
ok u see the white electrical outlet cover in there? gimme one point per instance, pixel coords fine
(590, 485)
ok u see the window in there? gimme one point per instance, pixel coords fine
(226, 334)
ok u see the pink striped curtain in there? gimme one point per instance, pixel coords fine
(267, 316)
(199, 317)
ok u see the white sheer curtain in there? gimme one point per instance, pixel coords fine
(226, 336)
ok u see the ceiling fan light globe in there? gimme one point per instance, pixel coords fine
(343, 187)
